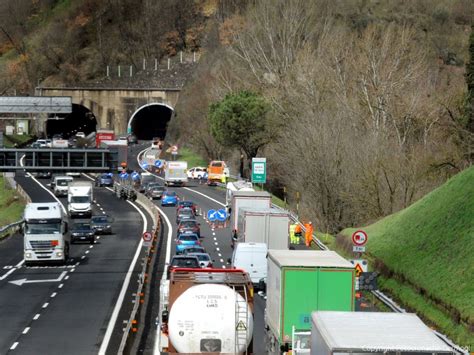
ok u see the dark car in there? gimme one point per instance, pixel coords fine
(193, 249)
(104, 180)
(183, 261)
(186, 204)
(44, 175)
(184, 214)
(102, 224)
(190, 226)
(82, 232)
(155, 192)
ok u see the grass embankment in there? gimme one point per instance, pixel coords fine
(10, 141)
(11, 205)
(426, 256)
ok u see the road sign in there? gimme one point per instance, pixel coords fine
(358, 249)
(144, 164)
(360, 266)
(158, 163)
(368, 281)
(211, 215)
(359, 238)
(241, 326)
(123, 175)
(147, 238)
(221, 215)
(259, 170)
(174, 148)
(135, 176)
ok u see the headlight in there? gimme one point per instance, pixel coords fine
(28, 255)
(59, 253)
(90, 234)
(108, 226)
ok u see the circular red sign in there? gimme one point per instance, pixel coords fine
(359, 238)
(147, 237)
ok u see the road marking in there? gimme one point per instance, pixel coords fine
(83, 257)
(46, 305)
(26, 330)
(222, 260)
(66, 278)
(87, 252)
(7, 267)
(220, 255)
(25, 281)
(73, 269)
(15, 344)
(77, 264)
(53, 294)
(218, 249)
(213, 233)
(61, 286)
(215, 238)
(223, 266)
(98, 204)
(17, 266)
(36, 316)
(126, 282)
(216, 243)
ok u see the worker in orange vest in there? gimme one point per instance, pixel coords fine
(309, 233)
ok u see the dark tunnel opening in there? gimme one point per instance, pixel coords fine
(81, 119)
(151, 121)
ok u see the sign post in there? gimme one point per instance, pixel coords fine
(259, 170)
(359, 239)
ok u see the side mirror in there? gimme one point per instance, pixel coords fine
(164, 316)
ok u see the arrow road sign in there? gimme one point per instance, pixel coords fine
(221, 215)
(359, 238)
(124, 175)
(212, 215)
(144, 164)
(135, 175)
(25, 281)
(158, 163)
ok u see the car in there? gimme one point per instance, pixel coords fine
(82, 231)
(182, 261)
(169, 198)
(105, 179)
(44, 175)
(193, 249)
(151, 184)
(183, 214)
(186, 239)
(35, 145)
(80, 135)
(132, 139)
(102, 224)
(189, 226)
(204, 259)
(42, 143)
(187, 204)
(196, 173)
(49, 143)
(154, 192)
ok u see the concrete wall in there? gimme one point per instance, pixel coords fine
(114, 107)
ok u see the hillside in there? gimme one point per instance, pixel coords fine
(429, 246)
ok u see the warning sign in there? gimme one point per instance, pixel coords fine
(358, 269)
(241, 326)
(360, 266)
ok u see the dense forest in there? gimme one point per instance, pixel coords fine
(367, 106)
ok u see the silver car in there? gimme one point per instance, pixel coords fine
(204, 259)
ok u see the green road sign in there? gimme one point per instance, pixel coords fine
(259, 170)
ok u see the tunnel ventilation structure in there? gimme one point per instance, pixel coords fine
(81, 119)
(150, 121)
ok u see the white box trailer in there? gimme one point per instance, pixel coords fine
(358, 333)
(176, 173)
(256, 199)
(264, 225)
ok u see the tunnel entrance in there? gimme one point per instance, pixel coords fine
(150, 121)
(81, 119)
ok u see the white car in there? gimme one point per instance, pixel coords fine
(196, 172)
(80, 135)
(42, 143)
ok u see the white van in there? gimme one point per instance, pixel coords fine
(251, 257)
(60, 185)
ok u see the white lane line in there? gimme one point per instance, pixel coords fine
(91, 246)
(8, 267)
(72, 270)
(216, 243)
(87, 252)
(126, 282)
(222, 260)
(98, 237)
(36, 316)
(83, 257)
(98, 204)
(26, 330)
(215, 238)
(45, 305)
(66, 278)
(213, 233)
(220, 255)
(103, 212)
(53, 294)
(218, 249)
(61, 286)
(17, 266)
(15, 344)
(77, 264)
(223, 266)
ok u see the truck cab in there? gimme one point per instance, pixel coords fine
(45, 233)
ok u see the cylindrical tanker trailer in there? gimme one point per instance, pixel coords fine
(207, 311)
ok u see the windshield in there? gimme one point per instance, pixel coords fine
(188, 224)
(188, 238)
(62, 182)
(82, 227)
(99, 219)
(202, 257)
(80, 199)
(170, 193)
(46, 228)
(184, 262)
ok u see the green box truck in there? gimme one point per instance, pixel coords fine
(300, 282)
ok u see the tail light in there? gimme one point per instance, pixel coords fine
(198, 242)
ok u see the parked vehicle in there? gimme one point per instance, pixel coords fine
(251, 257)
(182, 261)
(60, 185)
(175, 173)
(82, 232)
(45, 237)
(79, 198)
(206, 311)
(187, 204)
(263, 225)
(169, 198)
(204, 259)
(155, 192)
(216, 172)
(196, 172)
(323, 279)
(191, 226)
(184, 214)
(401, 333)
(186, 239)
(193, 249)
(102, 224)
(105, 179)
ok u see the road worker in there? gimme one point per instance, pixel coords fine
(309, 233)
(298, 232)
(293, 238)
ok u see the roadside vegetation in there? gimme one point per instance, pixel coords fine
(16, 140)
(11, 205)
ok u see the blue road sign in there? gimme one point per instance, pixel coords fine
(221, 215)
(135, 176)
(124, 175)
(158, 163)
(144, 164)
(212, 215)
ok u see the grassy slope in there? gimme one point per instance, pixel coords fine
(431, 243)
(11, 206)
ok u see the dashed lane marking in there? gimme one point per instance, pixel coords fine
(26, 330)
(45, 305)
(86, 252)
(53, 294)
(222, 260)
(61, 286)
(36, 316)
(15, 344)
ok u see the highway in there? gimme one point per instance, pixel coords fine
(68, 309)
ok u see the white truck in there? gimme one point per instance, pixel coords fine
(45, 233)
(60, 185)
(264, 225)
(233, 186)
(79, 198)
(176, 173)
(256, 199)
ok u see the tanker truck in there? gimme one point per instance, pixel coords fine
(206, 311)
